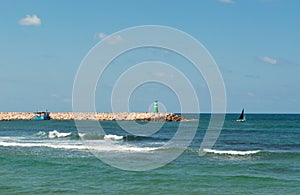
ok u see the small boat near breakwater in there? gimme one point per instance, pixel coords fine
(38, 116)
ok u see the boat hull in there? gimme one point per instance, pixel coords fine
(40, 118)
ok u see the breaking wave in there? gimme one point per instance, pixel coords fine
(40, 144)
(75, 135)
(113, 137)
(56, 134)
(231, 152)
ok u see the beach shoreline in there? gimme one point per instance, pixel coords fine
(122, 116)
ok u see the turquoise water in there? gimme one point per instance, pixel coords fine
(259, 156)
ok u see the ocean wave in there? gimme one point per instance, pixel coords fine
(107, 147)
(231, 152)
(49, 145)
(113, 137)
(84, 136)
(41, 133)
(127, 138)
(56, 134)
(102, 147)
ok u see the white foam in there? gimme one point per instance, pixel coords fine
(121, 148)
(49, 145)
(41, 133)
(106, 145)
(110, 146)
(113, 137)
(56, 134)
(72, 146)
(81, 135)
(231, 152)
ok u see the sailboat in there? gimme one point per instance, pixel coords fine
(242, 117)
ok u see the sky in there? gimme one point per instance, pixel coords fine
(255, 44)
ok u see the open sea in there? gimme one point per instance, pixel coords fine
(259, 156)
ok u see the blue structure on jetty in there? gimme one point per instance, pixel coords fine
(41, 116)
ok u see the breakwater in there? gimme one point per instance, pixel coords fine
(129, 116)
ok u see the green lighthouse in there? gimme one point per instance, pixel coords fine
(155, 107)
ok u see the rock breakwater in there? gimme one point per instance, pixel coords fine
(129, 116)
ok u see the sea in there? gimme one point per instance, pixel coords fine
(258, 156)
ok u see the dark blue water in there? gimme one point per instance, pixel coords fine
(259, 156)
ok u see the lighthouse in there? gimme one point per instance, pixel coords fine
(155, 106)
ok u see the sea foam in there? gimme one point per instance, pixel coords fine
(49, 145)
(231, 152)
(113, 137)
(56, 134)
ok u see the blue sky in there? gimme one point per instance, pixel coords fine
(255, 44)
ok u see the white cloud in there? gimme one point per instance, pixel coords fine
(110, 39)
(226, 1)
(29, 20)
(100, 35)
(268, 60)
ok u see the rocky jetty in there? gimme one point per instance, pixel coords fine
(7, 116)
(131, 116)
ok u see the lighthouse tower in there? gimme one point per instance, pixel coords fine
(155, 107)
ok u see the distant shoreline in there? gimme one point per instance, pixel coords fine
(122, 116)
